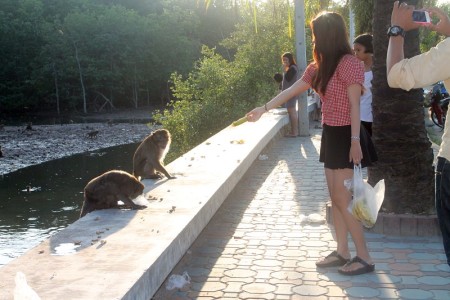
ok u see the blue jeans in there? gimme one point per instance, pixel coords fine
(442, 198)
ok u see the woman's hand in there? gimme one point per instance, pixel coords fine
(255, 114)
(355, 152)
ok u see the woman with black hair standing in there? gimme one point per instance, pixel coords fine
(290, 72)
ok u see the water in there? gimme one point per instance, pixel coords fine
(54, 198)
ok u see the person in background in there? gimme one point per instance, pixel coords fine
(363, 49)
(317, 113)
(290, 72)
(420, 71)
(337, 76)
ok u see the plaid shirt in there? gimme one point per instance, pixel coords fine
(335, 102)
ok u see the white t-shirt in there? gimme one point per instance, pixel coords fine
(366, 98)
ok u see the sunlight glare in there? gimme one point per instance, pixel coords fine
(303, 151)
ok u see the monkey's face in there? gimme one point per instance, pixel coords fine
(162, 138)
(138, 188)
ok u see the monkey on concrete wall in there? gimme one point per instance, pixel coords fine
(105, 190)
(149, 156)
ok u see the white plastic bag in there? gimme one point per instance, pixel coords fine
(178, 281)
(366, 200)
(23, 291)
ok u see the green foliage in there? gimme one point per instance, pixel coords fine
(219, 91)
(430, 38)
(123, 50)
(363, 11)
(206, 103)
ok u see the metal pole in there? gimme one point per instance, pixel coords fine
(303, 115)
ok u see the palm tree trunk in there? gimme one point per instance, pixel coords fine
(405, 156)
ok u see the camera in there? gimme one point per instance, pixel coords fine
(421, 17)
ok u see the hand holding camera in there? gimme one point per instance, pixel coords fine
(404, 16)
(443, 25)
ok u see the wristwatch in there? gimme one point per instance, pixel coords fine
(395, 31)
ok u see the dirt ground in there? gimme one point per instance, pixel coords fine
(21, 147)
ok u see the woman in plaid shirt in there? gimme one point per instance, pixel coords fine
(337, 76)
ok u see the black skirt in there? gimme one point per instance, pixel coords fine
(335, 147)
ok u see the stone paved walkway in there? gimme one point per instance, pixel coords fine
(264, 240)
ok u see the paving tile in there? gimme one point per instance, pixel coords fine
(387, 293)
(259, 245)
(414, 294)
(284, 289)
(258, 288)
(233, 288)
(362, 292)
(434, 280)
(443, 294)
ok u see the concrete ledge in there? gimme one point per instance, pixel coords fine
(124, 254)
(400, 224)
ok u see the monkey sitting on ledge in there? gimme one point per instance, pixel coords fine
(149, 156)
(105, 190)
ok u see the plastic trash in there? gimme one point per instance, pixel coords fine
(315, 219)
(23, 291)
(66, 249)
(141, 200)
(178, 281)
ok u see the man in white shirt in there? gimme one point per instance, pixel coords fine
(420, 71)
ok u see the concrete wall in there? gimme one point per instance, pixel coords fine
(125, 254)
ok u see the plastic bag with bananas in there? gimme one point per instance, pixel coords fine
(367, 200)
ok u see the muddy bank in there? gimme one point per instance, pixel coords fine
(21, 147)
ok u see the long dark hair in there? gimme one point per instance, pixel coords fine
(291, 59)
(289, 56)
(330, 45)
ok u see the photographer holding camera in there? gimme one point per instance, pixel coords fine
(420, 71)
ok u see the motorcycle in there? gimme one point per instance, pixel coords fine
(439, 101)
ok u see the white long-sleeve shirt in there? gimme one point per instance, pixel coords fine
(423, 70)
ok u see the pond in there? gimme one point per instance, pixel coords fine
(37, 201)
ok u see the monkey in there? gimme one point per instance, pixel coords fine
(105, 190)
(29, 126)
(149, 156)
(92, 134)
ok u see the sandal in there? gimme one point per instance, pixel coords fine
(338, 262)
(366, 268)
(290, 135)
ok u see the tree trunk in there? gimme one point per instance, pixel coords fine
(55, 73)
(404, 152)
(135, 87)
(81, 78)
(107, 101)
